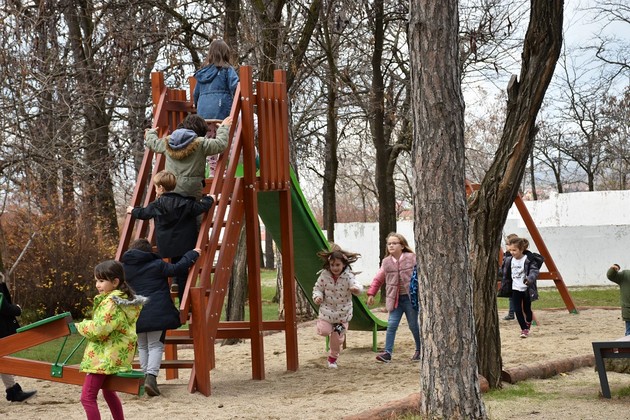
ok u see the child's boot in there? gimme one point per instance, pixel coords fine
(150, 385)
(15, 394)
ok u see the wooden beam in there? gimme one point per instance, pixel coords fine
(71, 374)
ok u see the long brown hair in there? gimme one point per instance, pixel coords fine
(218, 54)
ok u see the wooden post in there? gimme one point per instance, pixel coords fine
(200, 381)
(251, 224)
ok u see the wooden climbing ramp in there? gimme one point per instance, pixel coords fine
(236, 208)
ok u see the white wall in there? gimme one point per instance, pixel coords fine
(585, 233)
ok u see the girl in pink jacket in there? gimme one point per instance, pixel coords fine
(396, 271)
(333, 293)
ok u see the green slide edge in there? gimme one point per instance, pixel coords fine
(308, 239)
(45, 321)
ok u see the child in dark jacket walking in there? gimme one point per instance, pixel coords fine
(148, 274)
(520, 273)
(175, 221)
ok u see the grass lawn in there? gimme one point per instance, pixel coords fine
(549, 297)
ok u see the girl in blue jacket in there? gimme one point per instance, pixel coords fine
(216, 83)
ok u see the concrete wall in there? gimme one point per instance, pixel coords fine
(585, 233)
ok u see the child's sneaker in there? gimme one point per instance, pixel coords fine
(416, 356)
(525, 333)
(384, 357)
(332, 363)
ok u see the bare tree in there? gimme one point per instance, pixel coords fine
(612, 49)
(489, 206)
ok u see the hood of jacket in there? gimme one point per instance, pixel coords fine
(131, 308)
(181, 138)
(138, 257)
(207, 74)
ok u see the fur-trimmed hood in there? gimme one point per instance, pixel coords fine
(181, 138)
(138, 300)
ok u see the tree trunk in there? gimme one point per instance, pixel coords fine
(449, 385)
(489, 206)
(384, 167)
(532, 175)
(237, 292)
(270, 261)
(331, 159)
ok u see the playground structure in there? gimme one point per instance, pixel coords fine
(267, 189)
(552, 272)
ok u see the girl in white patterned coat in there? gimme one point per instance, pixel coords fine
(333, 293)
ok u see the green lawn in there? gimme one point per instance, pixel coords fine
(582, 296)
(549, 298)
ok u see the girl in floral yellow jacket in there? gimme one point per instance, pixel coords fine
(111, 336)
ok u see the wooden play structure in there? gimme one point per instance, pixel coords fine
(552, 272)
(235, 209)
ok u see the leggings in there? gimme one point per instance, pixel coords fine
(93, 382)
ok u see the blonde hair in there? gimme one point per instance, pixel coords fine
(401, 239)
(166, 180)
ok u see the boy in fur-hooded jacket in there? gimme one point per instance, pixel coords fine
(186, 150)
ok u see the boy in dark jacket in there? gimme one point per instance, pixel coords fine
(175, 221)
(9, 326)
(148, 274)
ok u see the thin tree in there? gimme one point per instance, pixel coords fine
(488, 208)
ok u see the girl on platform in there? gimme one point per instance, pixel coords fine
(111, 337)
(333, 293)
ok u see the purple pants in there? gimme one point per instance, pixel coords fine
(94, 382)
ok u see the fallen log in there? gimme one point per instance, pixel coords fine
(545, 369)
(397, 408)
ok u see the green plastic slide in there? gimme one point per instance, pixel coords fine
(308, 239)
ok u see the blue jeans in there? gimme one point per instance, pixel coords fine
(404, 306)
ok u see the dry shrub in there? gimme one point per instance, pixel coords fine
(56, 273)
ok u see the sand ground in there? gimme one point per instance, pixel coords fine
(361, 383)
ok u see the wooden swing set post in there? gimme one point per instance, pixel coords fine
(553, 273)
